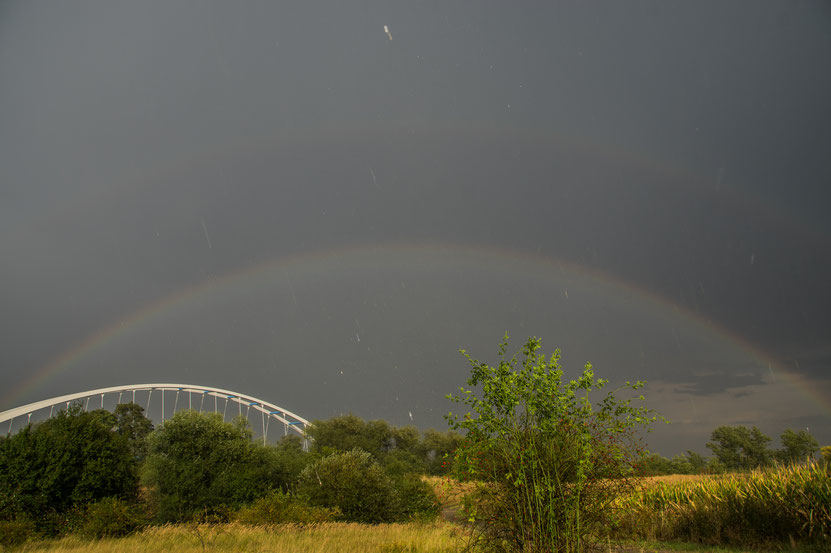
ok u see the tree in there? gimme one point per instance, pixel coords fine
(62, 463)
(740, 448)
(355, 484)
(547, 464)
(406, 438)
(199, 464)
(292, 459)
(131, 423)
(698, 463)
(437, 449)
(797, 446)
(348, 432)
(689, 463)
(399, 447)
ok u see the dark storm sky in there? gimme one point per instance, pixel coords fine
(643, 184)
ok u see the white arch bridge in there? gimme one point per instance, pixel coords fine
(188, 393)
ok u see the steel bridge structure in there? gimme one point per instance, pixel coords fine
(268, 411)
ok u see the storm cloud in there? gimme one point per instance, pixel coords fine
(285, 199)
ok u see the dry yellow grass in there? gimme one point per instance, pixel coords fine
(322, 538)
(676, 478)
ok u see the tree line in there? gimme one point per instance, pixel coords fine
(738, 448)
(100, 473)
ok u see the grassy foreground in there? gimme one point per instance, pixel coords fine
(287, 538)
(782, 509)
(329, 538)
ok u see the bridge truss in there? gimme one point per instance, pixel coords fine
(268, 411)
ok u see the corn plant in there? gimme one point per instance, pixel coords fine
(784, 504)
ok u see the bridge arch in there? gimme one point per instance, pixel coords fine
(268, 411)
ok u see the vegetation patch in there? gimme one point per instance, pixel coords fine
(286, 538)
(547, 464)
(780, 506)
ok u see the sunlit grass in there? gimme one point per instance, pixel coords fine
(670, 513)
(321, 538)
(677, 478)
(784, 505)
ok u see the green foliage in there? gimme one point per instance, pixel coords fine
(547, 463)
(354, 483)
(405, 438)
(280, 508)
(398, 448)
(400, 462)
(14, 533)
(437, 450)
(765, 507)
(112, 517)
(70, 460)
(825, 451)
(740, 448)
(199, 465)
(131, 423)
(797, 447)
(291, 459)
(348, 432)
(689, 463)
(736, 448)
(417, 499)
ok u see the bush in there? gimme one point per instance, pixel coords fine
(348, 432)
(291, 459)
(354, 483)
(280, 507)
(438, 449)
(112, 518)
(15, 532)
(198, 465)
(417, 498)
(53, 468)
(546, 464)
(399, 462)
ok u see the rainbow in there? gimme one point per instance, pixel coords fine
(327, 261)
(302, 262)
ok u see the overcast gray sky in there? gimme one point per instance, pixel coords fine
(278, 199)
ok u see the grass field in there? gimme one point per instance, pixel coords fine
(705, 513)
(322, 538)
(328, 538)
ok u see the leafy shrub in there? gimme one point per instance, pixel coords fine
(438, 449)
(50, 469)
(112, 517)
(417, 498)
(198, 465)
(15, 532)
(348, 432)
(546, 463)
(399, 462)
(280, 507)
(354, 483)
(290, 459)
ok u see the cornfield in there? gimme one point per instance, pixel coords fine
(786, 504)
